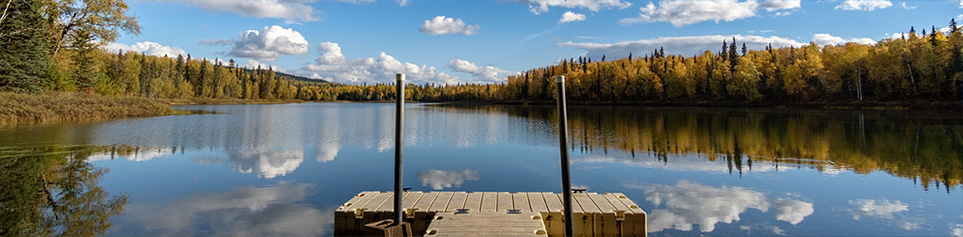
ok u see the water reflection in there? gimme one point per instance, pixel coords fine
(243, 211)
(49, 190)
(688, 203)
(927, 148)
(442, 179)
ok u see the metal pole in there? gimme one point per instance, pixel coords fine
(563, 146)
(399, 133)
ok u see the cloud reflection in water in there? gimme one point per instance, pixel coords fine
(244, 211)
(688, 203)
(442, 179)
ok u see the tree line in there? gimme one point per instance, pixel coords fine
(55, 45)
(914, 67)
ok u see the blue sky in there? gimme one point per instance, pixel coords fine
(366, 41)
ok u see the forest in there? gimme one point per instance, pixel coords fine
(55, 45)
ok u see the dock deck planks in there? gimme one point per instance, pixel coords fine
(606, 214)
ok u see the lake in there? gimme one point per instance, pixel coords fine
(281, 170)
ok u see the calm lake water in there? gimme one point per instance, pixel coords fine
(281, 170)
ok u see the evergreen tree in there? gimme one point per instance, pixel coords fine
(744, 49)
(24, 61)
(953, 28)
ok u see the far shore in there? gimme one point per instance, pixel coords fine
(53, 107)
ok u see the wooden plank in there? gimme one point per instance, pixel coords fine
(489, 202)
(554, 220)
(440, 202)
(422, 215)
(628, 202)
(521, 202)
(607, 222)
(474, 202)
(505, 202)
(426, 200)
(635, 222)
(486, 224)
(410, 199)
(345, 222)
(582, 215)
(586, 203)
(553, 203)
(457, 201)
(537, 202)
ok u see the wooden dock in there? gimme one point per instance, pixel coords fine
(489, 213)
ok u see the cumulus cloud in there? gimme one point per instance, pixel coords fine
(683, 12)
(864, 5)
(688, 203)
(824, 39)
(542, 6)
(442, 179)
(290, 10)
(147, 48)
(441, 25)
(332, 65)
(482, 74)
(570, 16)
(685, 45)
(268, 43)
(244, 211)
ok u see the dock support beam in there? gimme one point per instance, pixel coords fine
(563, 147)
(399, 134)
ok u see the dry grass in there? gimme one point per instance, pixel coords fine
(225, 101)
(16, 108)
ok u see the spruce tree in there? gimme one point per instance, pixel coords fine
(24, 61)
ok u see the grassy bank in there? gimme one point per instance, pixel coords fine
(226, 101)
(16, 108)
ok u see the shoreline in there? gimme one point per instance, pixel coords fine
(835, 106)
(53, 107)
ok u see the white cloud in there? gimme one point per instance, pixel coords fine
(688, 203)
(542, 6)
(244, 211)
(571, 16)
(140, 154)
(957, 229)
(864, 5)
(268, 43)
(215, 42)
(876, 208)
(358, 2)
(907, 7)
(403, 2)
(685, 45)
(254, 64)
(824, 39)
(332, 65)
(792, 211)
(482, 74)
(441, 25)
(682, 12)
(442, 179)
(147, 48)
(290, 10)
(961, 4)
(266, 163)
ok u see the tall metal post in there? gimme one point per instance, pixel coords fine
(563, 146)
(399, 133)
